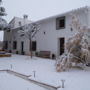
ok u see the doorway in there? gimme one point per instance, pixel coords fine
(22, 48)
(61, 45)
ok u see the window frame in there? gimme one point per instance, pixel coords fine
(58, 22)
(5, 44)
(14, 45)
(34, 47)
(19, 23)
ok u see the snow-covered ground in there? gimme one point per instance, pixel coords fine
(45, 72)
(10, 82)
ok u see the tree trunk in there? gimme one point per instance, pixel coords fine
(31, 47)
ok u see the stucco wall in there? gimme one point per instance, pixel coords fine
(50, 40)
(48, 37)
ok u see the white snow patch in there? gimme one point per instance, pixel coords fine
(75, 79)
(10, 82)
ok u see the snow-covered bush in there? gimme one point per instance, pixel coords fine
(77, 48)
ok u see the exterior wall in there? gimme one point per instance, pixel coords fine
(15, 22)
(50, 40)
(7, 37)
(12, 23)
(23, 22)
(19, 39)
(13, 35)
(48, 37)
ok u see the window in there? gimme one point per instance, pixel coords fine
(5, 44)
(33, 45)
(21, 28)
(14, 45)
(44, 33)
(62, 42)
(8, 30)
(19, 23)
(60, 23)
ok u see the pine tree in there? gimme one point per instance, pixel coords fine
(3, 23)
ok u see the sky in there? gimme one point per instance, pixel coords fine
(39, 9)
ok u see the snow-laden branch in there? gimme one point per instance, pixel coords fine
(77, 47)
(29, 31)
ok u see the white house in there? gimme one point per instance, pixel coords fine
(54, 33)
(12, 40)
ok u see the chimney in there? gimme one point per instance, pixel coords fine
(25, 17)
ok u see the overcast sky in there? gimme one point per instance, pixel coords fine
(39, 9)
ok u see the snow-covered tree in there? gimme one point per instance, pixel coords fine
(29, 31)
(3, 23)
(77, 47)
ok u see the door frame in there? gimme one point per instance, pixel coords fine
(59, 45)
(22, 47)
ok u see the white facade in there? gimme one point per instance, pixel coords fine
(17, 22)
(48, 38)
(12, 35)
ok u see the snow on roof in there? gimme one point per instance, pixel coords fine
(66, 13)
(72, 11)
(17, 18)
(55, 16)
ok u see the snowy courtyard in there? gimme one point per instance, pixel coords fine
(9, 82)
(45, 72)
